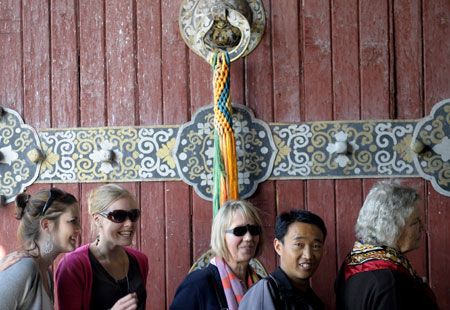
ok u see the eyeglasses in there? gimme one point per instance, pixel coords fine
(239, 231)
(54, 194)
(120, 216)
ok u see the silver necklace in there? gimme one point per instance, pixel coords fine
(116, 281)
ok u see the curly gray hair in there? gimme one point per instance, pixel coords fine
(382, 217)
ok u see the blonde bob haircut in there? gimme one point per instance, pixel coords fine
(223, 220)
(100, 198)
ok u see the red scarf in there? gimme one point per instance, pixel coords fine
(233, 287)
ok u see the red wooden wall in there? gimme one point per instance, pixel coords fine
(83, 63)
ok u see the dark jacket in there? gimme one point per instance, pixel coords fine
(278, 293)
(197, 291)
(382, 289)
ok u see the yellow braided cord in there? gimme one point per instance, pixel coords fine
(223, 125)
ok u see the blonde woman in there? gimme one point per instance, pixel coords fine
(106, 274)
(236, 238)
(49, 225)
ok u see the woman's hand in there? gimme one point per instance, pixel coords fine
(129, 302)
(11, 258)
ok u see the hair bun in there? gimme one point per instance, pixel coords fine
(21, 204)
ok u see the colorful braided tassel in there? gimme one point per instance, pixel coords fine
(225, 162)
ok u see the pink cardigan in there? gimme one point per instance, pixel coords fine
(74, 277)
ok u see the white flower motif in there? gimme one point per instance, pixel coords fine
(206, 179)
(203, 128)
(244, 177)
(241, 127)
(106, 155)
(7, 155)
(443, 149)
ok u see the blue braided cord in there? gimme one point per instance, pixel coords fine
(223, 98)
(227, 58)
(221, 104)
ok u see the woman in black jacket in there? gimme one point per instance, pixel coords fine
(236, 238)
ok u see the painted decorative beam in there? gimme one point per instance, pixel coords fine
(312, 150)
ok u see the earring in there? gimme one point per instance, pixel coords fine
(48, 246)
(97, 240)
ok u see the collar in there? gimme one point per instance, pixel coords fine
(286, 289)
(367, 257)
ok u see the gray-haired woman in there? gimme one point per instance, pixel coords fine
(376, 274)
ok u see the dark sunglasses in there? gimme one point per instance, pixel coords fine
(239, 231)
(55, 194)
(120, 216)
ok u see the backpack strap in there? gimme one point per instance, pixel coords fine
(218, 290)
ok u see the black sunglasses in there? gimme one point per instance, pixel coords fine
(54, 194)
(239, 231)
(120, 216)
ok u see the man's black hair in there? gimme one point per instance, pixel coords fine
(285, 219)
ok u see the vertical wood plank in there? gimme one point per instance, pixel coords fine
(436, 45)
(11, 96)
(36, 68)
(409, 91)
(36, 63)
(264, 201)
(64, 64)
(174, 60)
(177, 194)
(346, 98)
(320, 199)
(148, 15)
(285, 21)
(418, 257)
(201, 94)
(316, 51)
(120, 63)
(87, 234)
(259, 95)
(92, 107)
(259, 72)
(149, 70)
(178, 235)
(408, 59)
(286, 61)
(346, 95)
(348, 203)
(374, 58)
(238, 81)
(11, 91)
(318, 106)
(290, 195)
(439, 243)
(92, 63)
(64, 73)
(154, 242)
